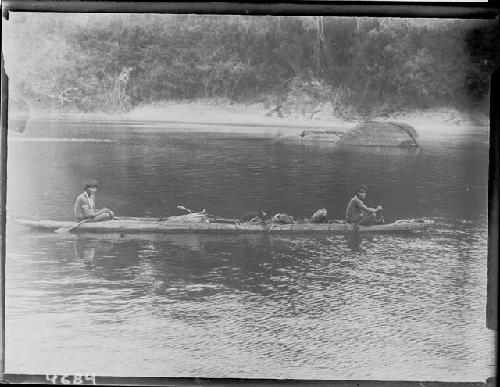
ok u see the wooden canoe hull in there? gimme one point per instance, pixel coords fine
(153, 226)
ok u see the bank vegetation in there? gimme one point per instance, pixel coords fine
(350, 67)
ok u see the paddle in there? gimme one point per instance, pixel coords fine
(68, 229)
(61, 230)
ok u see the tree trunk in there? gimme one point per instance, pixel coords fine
(318, 45)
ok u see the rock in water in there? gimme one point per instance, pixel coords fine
(393, 134)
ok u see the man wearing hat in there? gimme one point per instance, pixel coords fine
(85, 205)
(358, 213)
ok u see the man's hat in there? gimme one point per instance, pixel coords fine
(362, 188)
(90, 183)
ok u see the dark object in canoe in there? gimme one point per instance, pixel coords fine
(320, 216)
(255, 216)
(153, 226)
(282, 219)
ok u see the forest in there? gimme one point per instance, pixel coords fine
(358, 66)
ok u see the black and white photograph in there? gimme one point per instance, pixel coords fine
(248, 196)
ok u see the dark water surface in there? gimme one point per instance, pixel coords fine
(329, 307)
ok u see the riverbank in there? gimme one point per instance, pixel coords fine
(224, 116)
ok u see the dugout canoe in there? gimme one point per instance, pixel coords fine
(154, 226)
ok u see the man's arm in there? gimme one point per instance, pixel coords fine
(87, 211)
(370, 209)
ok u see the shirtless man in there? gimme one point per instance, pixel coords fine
(85, 205)
(358, 213)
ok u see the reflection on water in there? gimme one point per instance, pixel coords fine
(407, 307)
(298, 306)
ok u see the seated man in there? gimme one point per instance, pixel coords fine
(358, 213)
(85, 205)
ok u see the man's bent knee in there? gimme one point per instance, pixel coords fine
(366, 220)
(101, 217)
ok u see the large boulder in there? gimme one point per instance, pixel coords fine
(394, 134)
(379, 134)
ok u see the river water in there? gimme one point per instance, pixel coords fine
(324, 307)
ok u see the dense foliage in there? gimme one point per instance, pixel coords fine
(357, 66)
